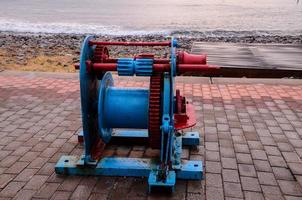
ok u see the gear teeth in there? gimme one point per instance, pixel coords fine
(155, 111)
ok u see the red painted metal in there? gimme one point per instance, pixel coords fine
(168, 43)
(154, 121)
(185, 120)
(110, 65)
(187, 58)
(102, 67)
(181, 68)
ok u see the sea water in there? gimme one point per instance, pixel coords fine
(183, 17)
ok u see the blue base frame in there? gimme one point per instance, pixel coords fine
(120, 166)
(137, 167)
(141, 136)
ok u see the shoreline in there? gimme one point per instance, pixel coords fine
(58, 52)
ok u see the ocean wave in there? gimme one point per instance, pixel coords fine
(114, 30)
(71, 28)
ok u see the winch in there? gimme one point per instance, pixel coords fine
(154, 116)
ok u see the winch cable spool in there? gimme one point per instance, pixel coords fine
(157, 110)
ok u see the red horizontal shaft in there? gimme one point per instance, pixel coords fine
(156, 61)
(104, 66)
(181, 68)
(130, 43)
(114, 60)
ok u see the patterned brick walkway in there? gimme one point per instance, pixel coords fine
(251, 140)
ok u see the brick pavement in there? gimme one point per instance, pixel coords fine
(251, 140)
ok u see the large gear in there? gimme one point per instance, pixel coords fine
(100, 54)
(156, 83)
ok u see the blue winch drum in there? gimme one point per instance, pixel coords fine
(126, 107)
(121, 107)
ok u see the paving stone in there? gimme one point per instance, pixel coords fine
(212, 156)
(24, 194)
(230, 175)
(214, 193)
(61, 195)
(211, 146)
(277, 161)
(253, 195)
(256, 145)
(290, 187)
(291, 157)
(213, 180)
(16, 168)
(247, 170)
(195, 187)
(227, 152)
(262, 166)
(26, 175)
(193, 196)
(35, 182)
(266, 178)
(11, 189)
(267, 141)
(213, 167)
(285, 146)
(5, 179)
(250, 184)
(70, 183)
(292, 198)
(295, 168)
(46, 191)
(258, 154)
(232, 190)
(282, 173)
(98, 196)
(271, 150)
(229, 163)
(243, 158)
(8, 161)
(271, 190)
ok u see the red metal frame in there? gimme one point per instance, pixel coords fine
(167, 44)
(186, 120)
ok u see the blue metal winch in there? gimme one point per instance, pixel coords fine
(154, 116)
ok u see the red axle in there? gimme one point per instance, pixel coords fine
(167, 44)
(181, 68)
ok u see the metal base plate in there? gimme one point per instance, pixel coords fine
(167, 185)
(118, 166)
(141, 137)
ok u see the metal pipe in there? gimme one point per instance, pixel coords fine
(168, 44)
(181, 68)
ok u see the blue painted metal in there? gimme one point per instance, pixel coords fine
(88, 89)
(139, 67)
(177, 152)
(169, 182)
(191, 170)
(191, 138)
(105, 132)
(188, 139)
(143, 67)
(125, 66)
(126, 107)
(116, 166)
